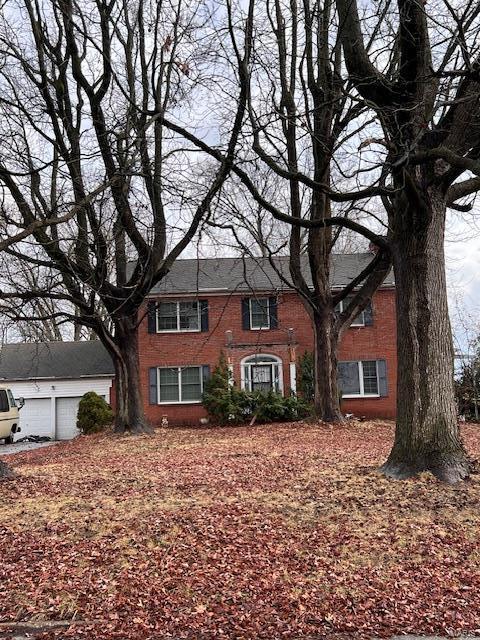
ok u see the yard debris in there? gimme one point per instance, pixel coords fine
(275, 531)
(33, 438)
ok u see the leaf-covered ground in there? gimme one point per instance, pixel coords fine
(283, 531)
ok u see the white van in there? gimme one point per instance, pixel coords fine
(9, 415)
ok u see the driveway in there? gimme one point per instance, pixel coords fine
(16, 447)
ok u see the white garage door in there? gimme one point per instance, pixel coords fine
(35, 418)
(66, 409)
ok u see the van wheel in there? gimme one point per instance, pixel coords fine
(9, 440)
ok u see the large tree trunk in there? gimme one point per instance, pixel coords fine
(130, 413)
(326, 394)
(427, 435)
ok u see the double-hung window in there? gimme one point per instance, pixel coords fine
(363, 319)
(179, 384)
(259, 313)
(178, 316)
(362, 378)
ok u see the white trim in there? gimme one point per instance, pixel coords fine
(53, 416)
(252, 328)
(168, 402)
(244, 363)
(178, 330)
(179, 382)
(365, 395)
(221, 291)
(293, 377)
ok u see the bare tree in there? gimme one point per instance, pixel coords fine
(32, 318)
(422, 82)
(78, 85)
(301, 119)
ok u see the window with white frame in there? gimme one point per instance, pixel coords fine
(360, 320)
(178, 316)
(259, 313)
(358, 378)
(262, 373)
(179, 385)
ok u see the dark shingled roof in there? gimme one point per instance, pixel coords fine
(54, 360)
(247, 274)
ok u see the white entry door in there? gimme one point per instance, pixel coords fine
(66, 418)
(35, 418)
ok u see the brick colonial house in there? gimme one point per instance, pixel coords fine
(241, 306)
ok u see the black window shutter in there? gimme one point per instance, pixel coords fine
(368, 314)
(273, 310)
(152, 378)
(152, 316)
(382, 378)
(204, 315)
(245, 313)
(205, 374)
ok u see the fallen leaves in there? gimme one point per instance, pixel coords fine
(265, 532)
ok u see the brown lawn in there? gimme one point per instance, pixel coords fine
(283, 531)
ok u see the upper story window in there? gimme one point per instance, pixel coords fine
(177, 316)
(364, 318)
(259, 313)
(362, 378)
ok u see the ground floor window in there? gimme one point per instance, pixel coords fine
(360, 378)
(180, 384)
(262, 373)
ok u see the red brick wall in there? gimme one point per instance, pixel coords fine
(183, 349)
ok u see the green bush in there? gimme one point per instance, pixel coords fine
(94, 414)
(217, 394)
(226, 404)
(306, 378)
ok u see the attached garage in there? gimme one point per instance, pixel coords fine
(66, 418)
(52, 378)
(35, 418)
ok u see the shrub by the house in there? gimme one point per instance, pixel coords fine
(94, 414)
(226, 404)
(306, 380)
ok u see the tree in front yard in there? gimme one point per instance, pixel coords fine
(83, 89)
(302, 117)
(422, 83)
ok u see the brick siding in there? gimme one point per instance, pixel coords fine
(203, 348)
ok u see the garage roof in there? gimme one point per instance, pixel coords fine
(254, 274)
(55, 360)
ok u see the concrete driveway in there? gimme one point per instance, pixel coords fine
(16, 447)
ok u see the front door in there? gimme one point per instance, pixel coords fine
(262, 377)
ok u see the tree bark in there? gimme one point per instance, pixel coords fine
(326, 394)
(427, 435)
(5, 471)
(130, 412)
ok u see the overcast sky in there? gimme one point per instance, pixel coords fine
(462, 248)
